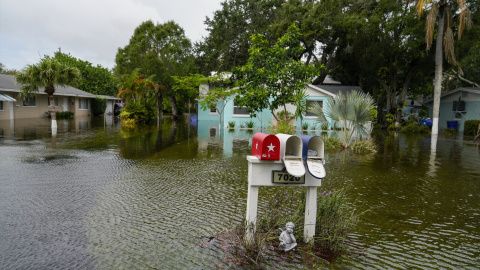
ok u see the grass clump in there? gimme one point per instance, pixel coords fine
(363, 146)
(284, 125)
(231, 124)
(332, 143)
(413, 127)
(305, 126)
(250, 124)
(336, 218)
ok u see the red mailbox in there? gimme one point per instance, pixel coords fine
(266, 146)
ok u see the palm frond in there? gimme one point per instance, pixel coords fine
(430, 25)
(449, 49)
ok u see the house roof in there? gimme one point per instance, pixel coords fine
(335, 89)
(460, 89)
(8, 84)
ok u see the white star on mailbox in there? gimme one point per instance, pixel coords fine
(271, 147)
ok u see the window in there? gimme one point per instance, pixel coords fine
(29, 102)
(83, 104)
(213, 110)
(1, 105)
(55, 99)
(213, 131)
(313, 104)
(238, 110)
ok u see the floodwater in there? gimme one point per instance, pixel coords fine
(96, 196)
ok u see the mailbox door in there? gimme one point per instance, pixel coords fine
(316, 168)
(271, 148)
(265, 146)
(291, 154)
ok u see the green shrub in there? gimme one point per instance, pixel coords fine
(61, 115)
(325, 126)
(413, 127)
(305, 126)
(331, 143)
(99, 105)
(471, 127)
(231, 124)
(250, 124)
(284, 125)
(242, 125)
(137, 113)
(450, 131)
(363, 146)
(285, 115)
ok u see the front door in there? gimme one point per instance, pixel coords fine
(65, 104)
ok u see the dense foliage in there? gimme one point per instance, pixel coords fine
(162, 50)
(378, 45)
(96, 80)
(471, 127)
(272, 77)
(138, 92)
(99, 105)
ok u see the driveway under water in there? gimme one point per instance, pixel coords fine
(96, 196)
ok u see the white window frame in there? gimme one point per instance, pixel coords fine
(239, 115)
(213, 111)
(34, 98)
(80, 107)
(313, 100)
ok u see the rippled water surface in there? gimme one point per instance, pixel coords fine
(98, 197)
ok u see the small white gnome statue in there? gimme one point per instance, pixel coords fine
(287, 240)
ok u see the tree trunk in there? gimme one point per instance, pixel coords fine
(53, 116)
(403, 92)
(437, 87)
(173, 103)
(159, 97)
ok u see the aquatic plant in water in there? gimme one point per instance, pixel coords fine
(336, 218)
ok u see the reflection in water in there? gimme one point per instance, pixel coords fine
(110, 198)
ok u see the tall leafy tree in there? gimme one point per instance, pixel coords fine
(47, 74)
(320, 23)
(159, 49)
(440, 13)
(229, 30)
(95, 79)
(382, 52)
(272, 76)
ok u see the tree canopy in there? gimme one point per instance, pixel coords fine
(162, 50)
(272, 76)
(94, 79)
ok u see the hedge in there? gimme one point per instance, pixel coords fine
(471, 127)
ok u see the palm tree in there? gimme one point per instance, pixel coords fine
(47, 74)
(351, 111)
(442, 10)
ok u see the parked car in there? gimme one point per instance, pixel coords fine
(117, 108)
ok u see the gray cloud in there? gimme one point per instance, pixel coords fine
(91, 30)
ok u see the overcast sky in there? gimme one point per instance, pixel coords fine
(90, 30)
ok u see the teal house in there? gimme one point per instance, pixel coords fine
(231, 112)
(457, 106)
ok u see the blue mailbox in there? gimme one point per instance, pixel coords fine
(313, 153)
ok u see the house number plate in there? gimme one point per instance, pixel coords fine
(283, 177)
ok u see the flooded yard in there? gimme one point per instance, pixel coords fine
(96, 196)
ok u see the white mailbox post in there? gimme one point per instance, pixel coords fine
(271, 173)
